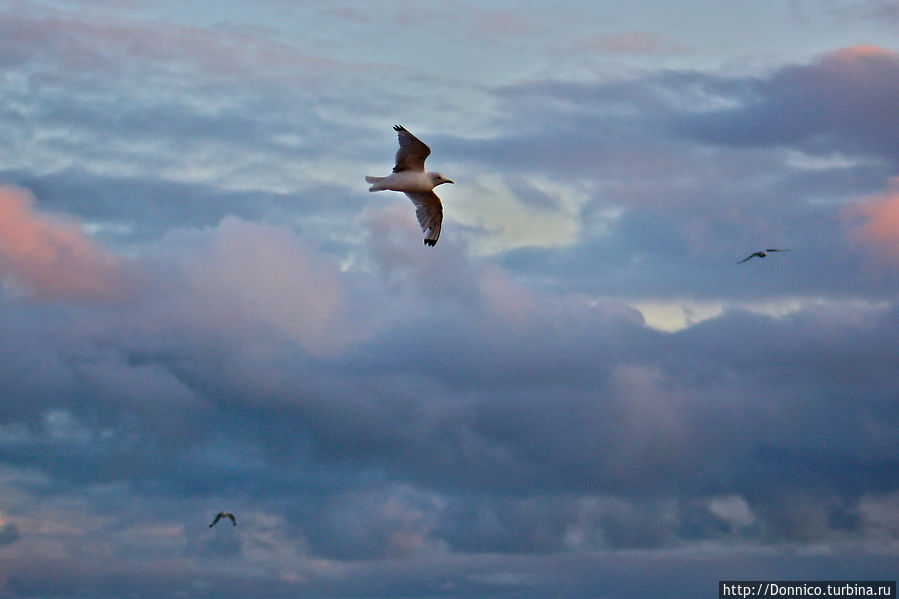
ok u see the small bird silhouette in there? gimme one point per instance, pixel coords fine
(221, 515)
(760, 254)
(410, 177)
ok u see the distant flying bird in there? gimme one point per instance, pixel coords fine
(221, 515)
(760, 254)
(410, 177)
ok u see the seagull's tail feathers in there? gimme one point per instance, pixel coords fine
(374, 181)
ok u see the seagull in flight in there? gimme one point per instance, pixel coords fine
(221, 515)
(410, 177)
(760, 254)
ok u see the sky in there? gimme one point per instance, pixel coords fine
(578, 393)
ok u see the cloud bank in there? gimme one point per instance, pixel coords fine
(438, 436)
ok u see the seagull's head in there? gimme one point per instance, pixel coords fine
(439, 179)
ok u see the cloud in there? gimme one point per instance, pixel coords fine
(443, 440)
(52, 257)
(840, 102)
(876, 225)
(844, 100)
(733, 510)
(266, 274)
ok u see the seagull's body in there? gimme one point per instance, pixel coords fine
(410, 177)
(760, 254)
(221, 515)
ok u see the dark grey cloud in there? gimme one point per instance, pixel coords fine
(467, 441)
(841, 102)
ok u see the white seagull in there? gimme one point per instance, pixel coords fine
(410, 177)
(760, 254)
(221, 515)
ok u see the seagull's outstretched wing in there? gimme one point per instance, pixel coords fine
(221, 515)
(749, 257)
(412, 153)
(429, 211)
(776, 250)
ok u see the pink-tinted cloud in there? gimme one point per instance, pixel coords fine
(52, 257)
(860, 52)
(248, 273)
(878, 229)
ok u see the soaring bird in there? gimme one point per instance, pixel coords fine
(221, 515)
(760, 254)
(410, 177)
